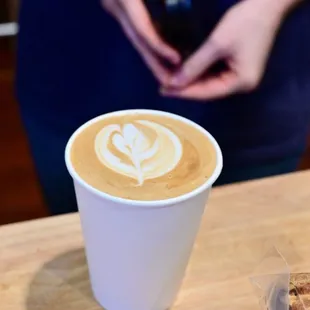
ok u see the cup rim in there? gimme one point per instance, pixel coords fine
(145, 203)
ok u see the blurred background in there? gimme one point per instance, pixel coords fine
(20, 195)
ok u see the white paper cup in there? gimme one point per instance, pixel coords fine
(137, 251)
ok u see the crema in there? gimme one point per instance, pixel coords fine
(143, 156)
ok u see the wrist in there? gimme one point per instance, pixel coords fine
(285, 6)
(276, 9)
(278, 6)
(289, 4)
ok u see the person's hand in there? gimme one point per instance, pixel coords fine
(137, 25)
(243, 39)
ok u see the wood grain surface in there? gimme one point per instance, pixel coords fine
(43, 267)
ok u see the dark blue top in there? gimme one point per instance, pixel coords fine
(74, 63)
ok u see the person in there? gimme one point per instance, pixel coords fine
(74, 63)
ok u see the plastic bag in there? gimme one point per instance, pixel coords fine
(271, 282)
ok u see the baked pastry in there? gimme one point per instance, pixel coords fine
(299, 294)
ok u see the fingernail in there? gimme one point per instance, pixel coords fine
(162, 90)
(165, 92)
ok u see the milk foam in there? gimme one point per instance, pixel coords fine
(147, 159)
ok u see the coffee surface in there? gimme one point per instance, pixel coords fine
(143, 156)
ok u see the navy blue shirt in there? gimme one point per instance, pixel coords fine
(74, 63)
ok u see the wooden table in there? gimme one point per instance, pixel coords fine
(42, 263)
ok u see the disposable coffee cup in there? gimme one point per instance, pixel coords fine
(138, 251)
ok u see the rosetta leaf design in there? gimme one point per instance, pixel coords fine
(148, 159)
(136, 146)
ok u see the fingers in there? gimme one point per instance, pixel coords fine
(137, 25)
(197, 64)
(159, 71)
(141, 21)
(209, 89)
(216, 87)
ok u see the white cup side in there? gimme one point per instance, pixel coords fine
(137, 257)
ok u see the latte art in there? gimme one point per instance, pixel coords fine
(141, 156)
(142, 150)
